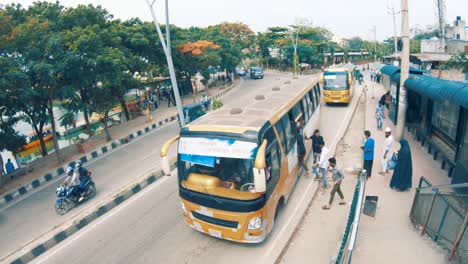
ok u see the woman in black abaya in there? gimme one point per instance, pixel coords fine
(403, 173)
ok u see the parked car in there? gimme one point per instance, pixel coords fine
(241, 72)
(256, 73)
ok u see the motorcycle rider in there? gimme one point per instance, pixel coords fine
(204, 101)
(72, 180)
(83, 175)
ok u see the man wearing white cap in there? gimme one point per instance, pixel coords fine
(387, 150)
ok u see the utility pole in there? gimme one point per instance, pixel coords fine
(166, 45)
(402, 103)
(393, 13)
(294, 42)
(441, 16)
(375, 43)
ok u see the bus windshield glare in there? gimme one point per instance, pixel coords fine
(337, 81)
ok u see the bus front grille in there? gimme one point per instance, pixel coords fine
(215, 221)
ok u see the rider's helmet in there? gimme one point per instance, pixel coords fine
(78, 165)
(69, 171)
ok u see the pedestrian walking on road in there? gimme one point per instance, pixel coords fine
(379, 110)
(9, 167)
(387, 150)
(316, 140)
(322, 164)
(368, 150)
(301, 149)
(337, 178)
(403, 174)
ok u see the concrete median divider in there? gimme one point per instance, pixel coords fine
(112, 146)
(61, 232)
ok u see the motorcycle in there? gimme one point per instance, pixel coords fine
(68, 197)
(206, 104)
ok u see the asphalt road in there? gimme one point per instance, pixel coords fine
(33, 214)
(149, 227)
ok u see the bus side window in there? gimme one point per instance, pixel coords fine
(317, 93)
(305, 110)
(310, 104)
(289, 132)
(312, 98)
(280, 129)
(273, 159)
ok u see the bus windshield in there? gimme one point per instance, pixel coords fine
(233, 173)
(337, 81)
(231, 161)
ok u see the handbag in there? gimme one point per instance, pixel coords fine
(392, 162)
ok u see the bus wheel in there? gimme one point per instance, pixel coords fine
(279, 206)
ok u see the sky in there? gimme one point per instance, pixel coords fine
(345, 18)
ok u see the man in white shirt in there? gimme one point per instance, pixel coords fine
(322, 164)
(387, 150)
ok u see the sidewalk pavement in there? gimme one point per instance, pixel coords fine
(120, 131)
(389, 237)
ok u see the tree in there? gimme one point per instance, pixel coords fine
(458, 61)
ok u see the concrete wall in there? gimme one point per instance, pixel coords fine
(456, 46)
(452, 75)
(430, 45)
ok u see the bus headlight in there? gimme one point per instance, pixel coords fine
(255, 223)
(183, 207)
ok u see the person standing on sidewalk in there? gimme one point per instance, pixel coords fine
(317, 139)
(154, 99)
(368, 149)
(337, 177)
(322, 164)
(387, 150)
(403, 174)
(383, 101)
(9, 167)
(379, 112)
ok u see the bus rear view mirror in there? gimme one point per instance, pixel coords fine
(259, 169)
(164, 160)
(165, 166)
(259, 180)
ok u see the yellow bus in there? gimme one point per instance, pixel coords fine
(238, 164)
(338, 83)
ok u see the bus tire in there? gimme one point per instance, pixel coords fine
(279, 206)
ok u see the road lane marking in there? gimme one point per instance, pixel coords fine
(98, 221)
(28, 194)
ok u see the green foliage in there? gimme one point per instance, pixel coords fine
(217, 104)
(458, 61)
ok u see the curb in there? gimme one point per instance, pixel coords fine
(9, 197)
(112, 201)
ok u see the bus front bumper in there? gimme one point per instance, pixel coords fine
(204, 220)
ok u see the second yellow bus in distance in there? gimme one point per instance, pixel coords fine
(338, 83)
(237, 165)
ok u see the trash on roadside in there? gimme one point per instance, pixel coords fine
(370, 205)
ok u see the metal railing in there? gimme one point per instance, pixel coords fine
(350, 235)
(441, 212)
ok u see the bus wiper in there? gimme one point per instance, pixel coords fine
(214, 198)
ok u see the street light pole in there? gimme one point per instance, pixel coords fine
(166, 44)
(402, 102)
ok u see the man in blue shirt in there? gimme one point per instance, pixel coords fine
(10, 168)
(368, 149)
